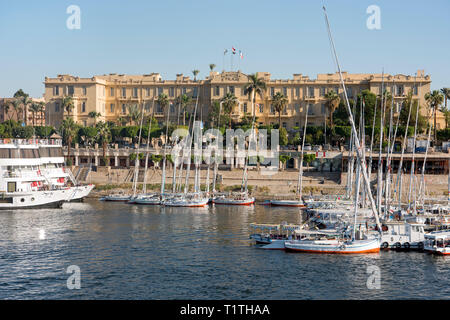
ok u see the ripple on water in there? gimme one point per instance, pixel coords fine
(145, 252)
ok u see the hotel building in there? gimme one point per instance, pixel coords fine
(111, 94)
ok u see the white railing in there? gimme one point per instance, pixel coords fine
(40, 142)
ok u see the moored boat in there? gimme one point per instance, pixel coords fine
(334, 246)
(438, 242)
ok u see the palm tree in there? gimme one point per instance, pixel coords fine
(163, 101)
(229, 101)
(212, 66)
(255, 86)
(94, 115)
(134, 113)
(68, 127)
(332, 103)
(183, 102)
(103, 137)
(434, 100)
(17, 106)
(41, 109)
(34, 108)
(26, 102)
(446, 93)
(279, 102)
(195, 73)
(122, 121)
(67, 104)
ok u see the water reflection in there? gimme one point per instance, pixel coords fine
(152, 252)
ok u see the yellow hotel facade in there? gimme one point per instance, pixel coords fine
(110, 95)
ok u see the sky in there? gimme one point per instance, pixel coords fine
(282, 37)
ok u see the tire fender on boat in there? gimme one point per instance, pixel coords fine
(384, 245)
(406, 245)
(398, 245)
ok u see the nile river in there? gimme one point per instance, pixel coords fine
(143, 252)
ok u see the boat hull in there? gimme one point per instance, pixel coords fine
(287, 203)
(38, 199)
(234, 202)
(333, 246)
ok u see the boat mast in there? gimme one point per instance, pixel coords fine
(422, 180)
(387, 167)
(399, 181)
(147, 151)
(136, 162)
(191, 138)
(380, 161)
(372, 136)
(412, 160)
(163, 176)
(358, 147)
(300, 171)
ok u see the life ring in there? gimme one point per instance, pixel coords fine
(406, 245)
(384, 245)
(398, 245)
(342, 247)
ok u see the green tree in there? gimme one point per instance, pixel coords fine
(68, 128)
(94, 115)
(67, 104)
(195, 73)
(446, 93)
(255, 86)
(229, 101)
(103, 136)
(34, 108)
(212, 66)
(134, 113)
(183, 102)
(332, 103)
(283, 136)
(279, 102)
(434, 100)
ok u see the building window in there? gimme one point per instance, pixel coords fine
(323, 108)
(297, 124)
(56, 91)
(350, 92)
(183, 91)
(172, 108)
(160, 90)
(336, 90)
(83, 106)
(172, 91)
(284, 125)
(272, 91)
(272, 109)
(245, 107)
(124, 108)
(84, 91)
(147, 106)
(111, 107)
(70, 90)
(322, 91)
(415, 90)
(285, 91)
(310, 92)
(111, 92)
(297, 91)
(135, 92)
(310, 110)
(195, 92)
(56, 106)
(261, 108)
(147, 90)
(231, 89)
(217, 91)
(124, 92)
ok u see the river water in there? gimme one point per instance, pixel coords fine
(144, 252)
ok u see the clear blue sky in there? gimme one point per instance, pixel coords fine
(177, 36)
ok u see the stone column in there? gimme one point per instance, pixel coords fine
(116, 161)
(76, 160)
(96, 160)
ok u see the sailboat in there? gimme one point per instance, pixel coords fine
(186, 199)
(298, 202)
(344, 245)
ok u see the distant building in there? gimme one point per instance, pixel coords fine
(7, 112)
(110, 94)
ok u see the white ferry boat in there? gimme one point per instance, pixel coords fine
(32, 175)
(438, 242)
